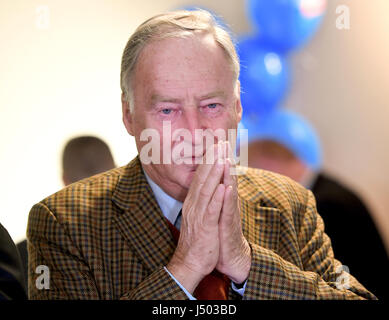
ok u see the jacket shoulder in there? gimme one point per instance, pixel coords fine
(90, 196)
(270, 189)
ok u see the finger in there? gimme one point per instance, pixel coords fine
(209, 160)
(208, 188)
(230, 153)
(223, 151)
(203, 172)
(229, 156)
(228, 178)
(230, 206)
(215, 206)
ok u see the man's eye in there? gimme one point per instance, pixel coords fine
(166, 111)
(212, 105)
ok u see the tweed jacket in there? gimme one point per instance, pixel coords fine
(105, 237)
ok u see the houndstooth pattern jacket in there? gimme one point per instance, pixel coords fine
(105, 237)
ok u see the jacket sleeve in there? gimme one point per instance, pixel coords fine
(322, 276)
(51, 247)
(56, 268)
(157, 286)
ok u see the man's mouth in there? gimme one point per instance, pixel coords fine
(192, 161)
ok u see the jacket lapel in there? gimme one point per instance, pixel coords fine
(140, 220)
(260, 222)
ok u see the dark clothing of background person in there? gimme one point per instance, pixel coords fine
(22, 247)
(355, 239)
(12, 284)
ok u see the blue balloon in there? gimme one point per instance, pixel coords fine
(289, 129)
(287, 24)
(264, 76)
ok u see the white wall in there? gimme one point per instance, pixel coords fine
(63, 80)
(342, 86)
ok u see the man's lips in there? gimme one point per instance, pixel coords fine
(193, 160)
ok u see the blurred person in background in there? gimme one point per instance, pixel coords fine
(82, 157)
(12, 282)
(286, 143)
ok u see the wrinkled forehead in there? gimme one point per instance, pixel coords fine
(182, 61)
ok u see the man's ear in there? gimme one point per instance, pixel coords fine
(238, 104)
(127, 116)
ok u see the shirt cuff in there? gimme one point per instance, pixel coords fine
(179, 284)
(239, 290)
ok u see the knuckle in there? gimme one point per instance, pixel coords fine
(204, 192)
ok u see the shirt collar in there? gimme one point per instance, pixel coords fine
(170, 207)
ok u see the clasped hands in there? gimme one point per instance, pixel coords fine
(211, 233)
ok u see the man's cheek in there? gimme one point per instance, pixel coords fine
(188, 178)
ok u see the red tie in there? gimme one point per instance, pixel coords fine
(214, 286)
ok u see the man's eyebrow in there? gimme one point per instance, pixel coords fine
(158, 98)
(214, 94)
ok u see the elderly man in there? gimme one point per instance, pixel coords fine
(170, 229)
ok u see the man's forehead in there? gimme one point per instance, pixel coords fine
(175, 52)
(171, 88)
(173, 68)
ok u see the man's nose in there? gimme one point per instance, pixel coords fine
(192, 121)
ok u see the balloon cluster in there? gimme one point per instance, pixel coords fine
(280, 27)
